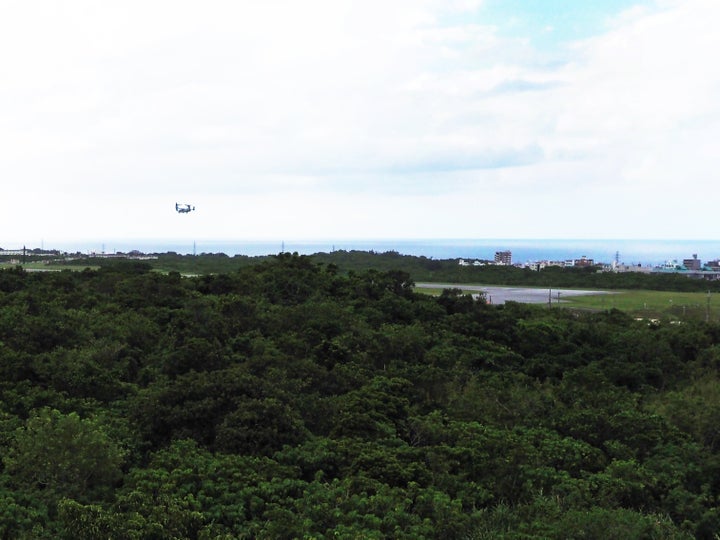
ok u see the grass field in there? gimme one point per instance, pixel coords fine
(38, 266)
(654, 304)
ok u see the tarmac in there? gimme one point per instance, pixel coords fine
(525, 295)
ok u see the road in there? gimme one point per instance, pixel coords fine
(526, 295)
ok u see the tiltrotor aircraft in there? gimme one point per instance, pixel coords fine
(184, 208)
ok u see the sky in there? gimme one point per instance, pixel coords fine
(327, 119)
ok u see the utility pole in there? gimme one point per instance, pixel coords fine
(707, 309)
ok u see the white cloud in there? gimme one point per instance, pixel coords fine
(359, 119)
(644, 98)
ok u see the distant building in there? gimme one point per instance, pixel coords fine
(503, 257)
(670, 265)
(584, 261)
(693, 264)
(476, 262)
(581, 262)
(632, 268)
(540, 265)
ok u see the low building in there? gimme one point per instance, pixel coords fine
(584, 262)
(669, 266)
(693, 264)
(539, 265)
(620, 268)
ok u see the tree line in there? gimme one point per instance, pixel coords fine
(437, 270)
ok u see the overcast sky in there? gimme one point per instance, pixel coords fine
(341, 119)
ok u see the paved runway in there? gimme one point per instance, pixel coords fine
(526, 295)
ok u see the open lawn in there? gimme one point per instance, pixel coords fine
(39, 266)
(654, 304)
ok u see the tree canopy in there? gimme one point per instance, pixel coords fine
(289, 399)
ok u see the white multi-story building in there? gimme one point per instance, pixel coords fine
(503, 257)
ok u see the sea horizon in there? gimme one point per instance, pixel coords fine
(627, 251)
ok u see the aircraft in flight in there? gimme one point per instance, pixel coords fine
(184, 208)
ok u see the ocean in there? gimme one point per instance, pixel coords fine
(635, 252)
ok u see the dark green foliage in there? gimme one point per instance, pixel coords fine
(57, 455)
(284, 398)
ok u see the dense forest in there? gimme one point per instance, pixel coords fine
(289, 399)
